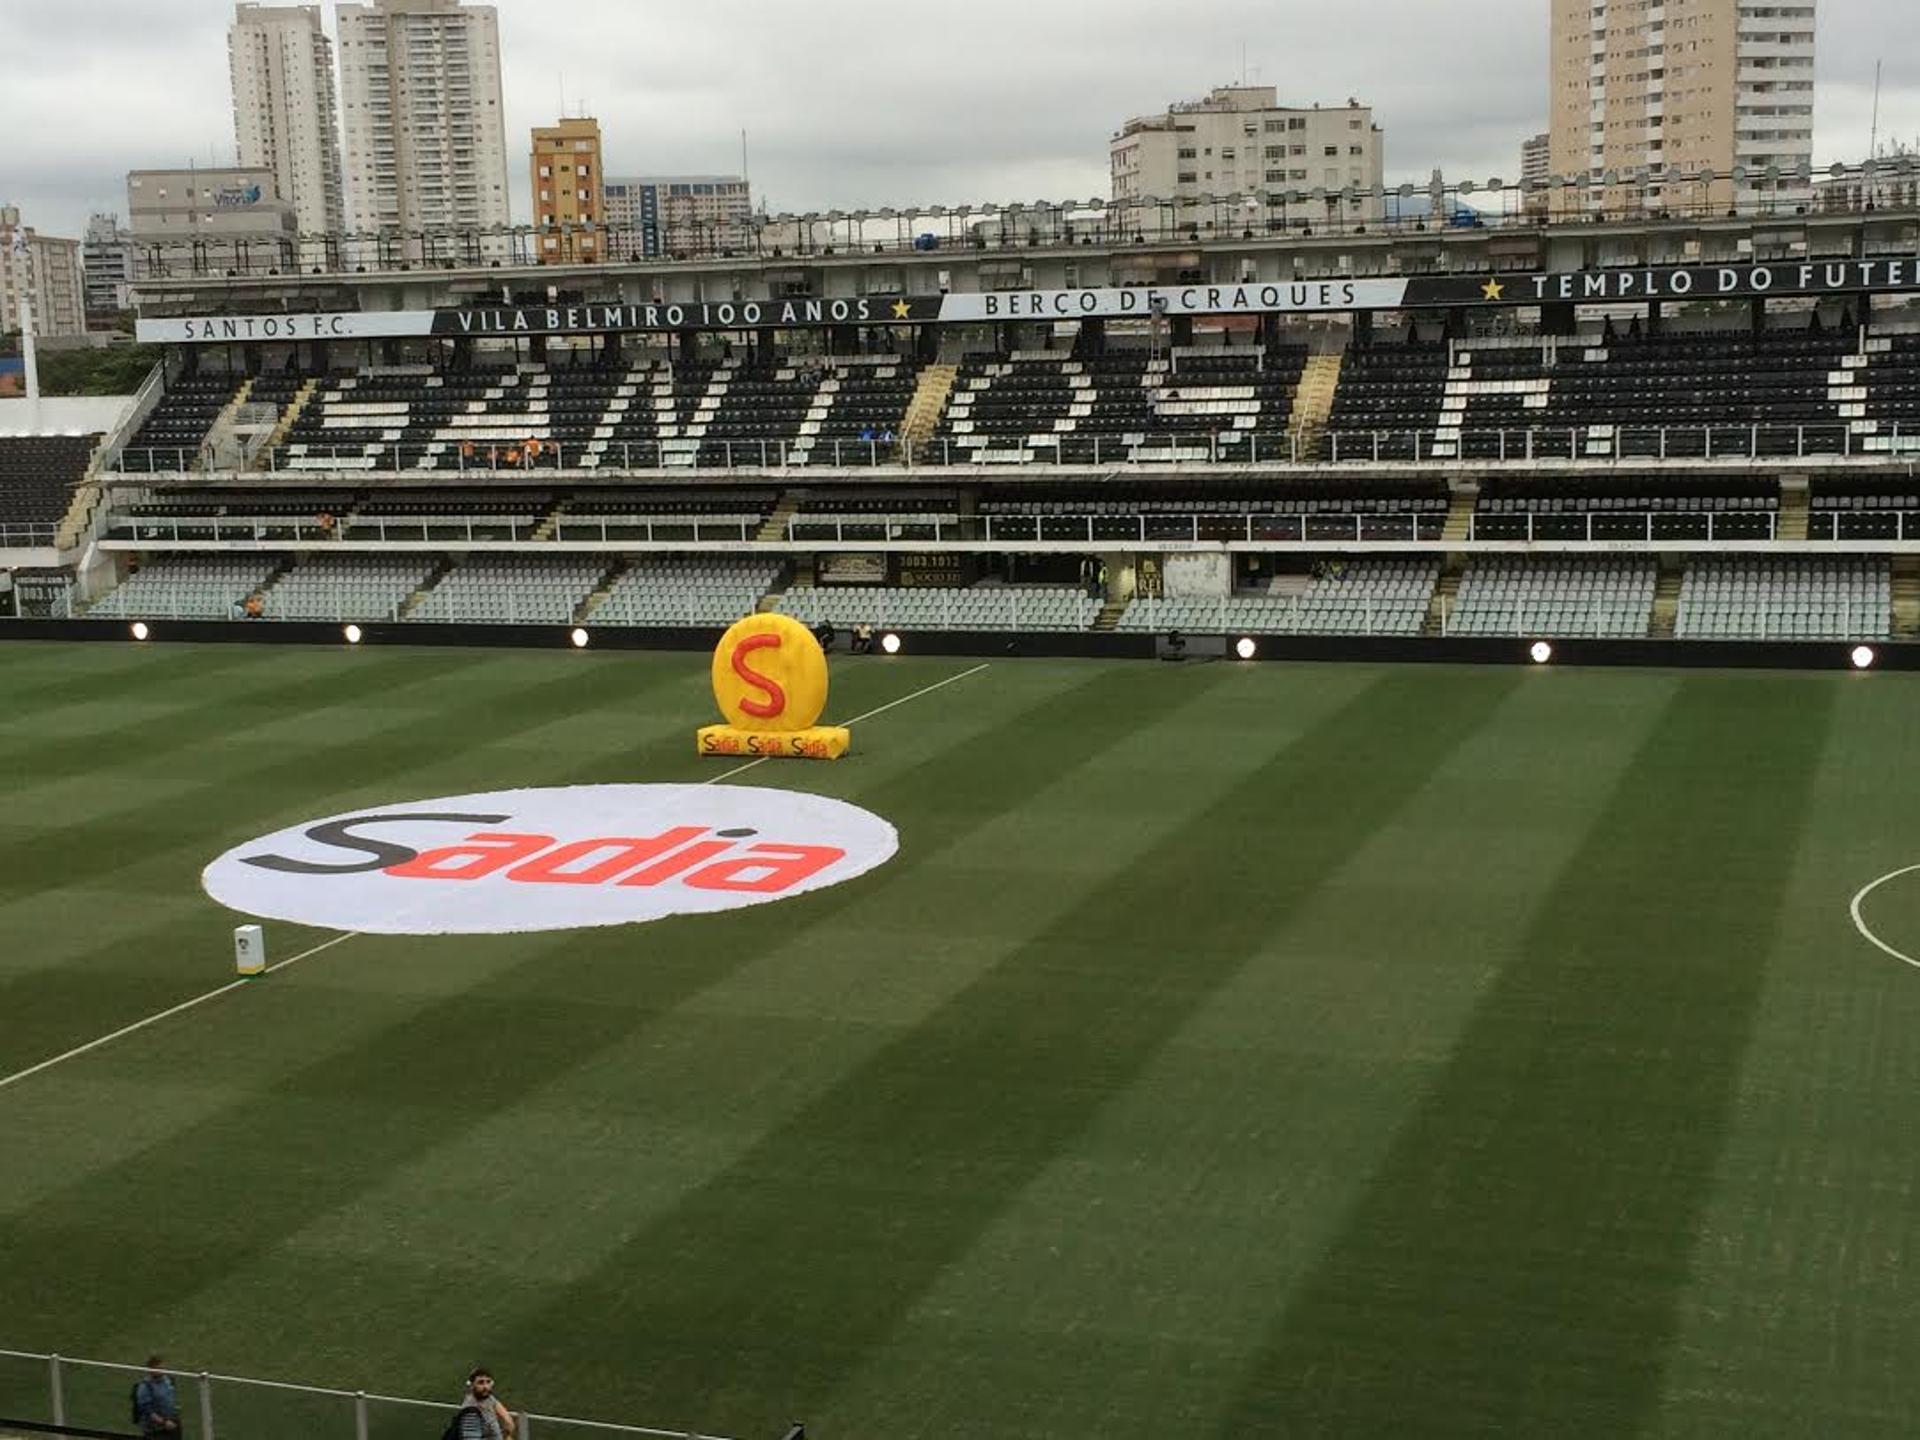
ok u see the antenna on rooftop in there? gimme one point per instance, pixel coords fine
(1873, 136)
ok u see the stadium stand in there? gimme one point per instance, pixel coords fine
(1640, 508)
(1357, 597)
(169, 439)
(1515, 595)
(682, 590)
(225, 513)
(37, 476)
(513, 589)
(1729, 597)
(862, 515)
(664, 515)
(418, 418)
(1333, 510)
(494, 513)
(652, 413)
(189, 587)
(1863, 510)
(1669, 396)
(979, 607)
(1057, 408)
(346, 587)
(861, 400)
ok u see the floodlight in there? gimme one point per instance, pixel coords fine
(1245, 648)
(139, 629)
(352, 632)
(890, 643)
(579, 637)
(1863, 657)
(1541, 652)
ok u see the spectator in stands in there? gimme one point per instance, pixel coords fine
(256, 607)
(325, 521)
(155, 1402)
(484, 1415)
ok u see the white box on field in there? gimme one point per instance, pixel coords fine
(249, 950)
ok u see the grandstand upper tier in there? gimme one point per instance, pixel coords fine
(1808, 389)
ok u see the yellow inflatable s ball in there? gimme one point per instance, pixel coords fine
(769, 674)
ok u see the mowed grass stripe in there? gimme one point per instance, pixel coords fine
(1515, 1266)
(626, 1133)
(81, 673)
(762, 1294)
(1123, 1292)
(160, 848)
(230, 802)
(303, 1142)
(286, 685)
(1800, 1315)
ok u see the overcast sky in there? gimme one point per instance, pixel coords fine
(859, 102)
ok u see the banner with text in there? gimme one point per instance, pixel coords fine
(1679, 283)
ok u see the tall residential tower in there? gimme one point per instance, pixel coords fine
(284, 118)
(1674, 87)
(424, 123)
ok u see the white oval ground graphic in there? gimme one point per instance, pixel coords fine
(551, 859)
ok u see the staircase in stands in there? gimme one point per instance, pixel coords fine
(292, 413)
(774, 527)
(929, 400)
(1313, 400)
(1109, 616)
(441, 569)
(598, 596)
(549, 522)
(221, 442)
(274, 577)
(1792, 521)
(1445, 594)
(1460, 513)
(1666, 597)
(1906, 595)
(87, 495)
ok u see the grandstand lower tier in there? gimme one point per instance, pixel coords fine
(1701, 596)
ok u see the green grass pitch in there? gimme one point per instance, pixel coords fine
(1228, 1051)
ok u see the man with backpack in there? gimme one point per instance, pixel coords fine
(482, 1414)
(156, 1409)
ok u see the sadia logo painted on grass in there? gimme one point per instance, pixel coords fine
(518, 860)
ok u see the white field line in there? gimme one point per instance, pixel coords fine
(155, 1019)
(233, 985)
(1861, 925)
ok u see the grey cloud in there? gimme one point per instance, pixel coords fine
(857, 102)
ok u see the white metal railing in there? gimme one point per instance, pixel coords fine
(1629, 526)
(144, 401)
(94, 1394)
(1227, 527)
(1476, 448)
(980, 608)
